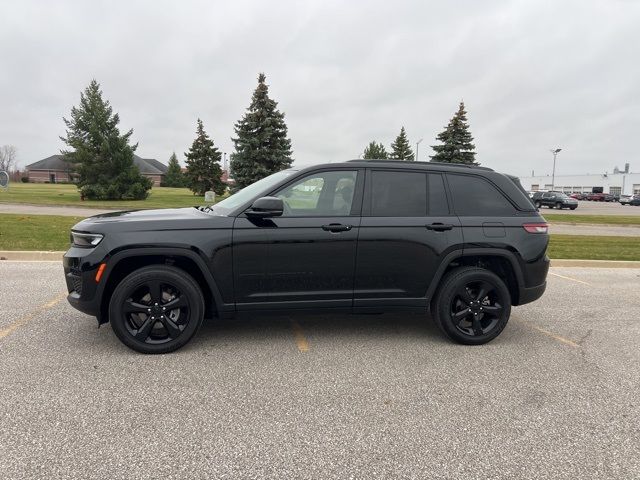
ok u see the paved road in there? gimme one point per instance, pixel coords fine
(25, 209)
(596, 208)
(614, 230)
(555, 396)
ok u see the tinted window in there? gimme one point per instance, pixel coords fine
(322, 194)
(398, 194)
(438, 205)
(474, 196)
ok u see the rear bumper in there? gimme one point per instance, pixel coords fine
(535, 280)
(531, 294)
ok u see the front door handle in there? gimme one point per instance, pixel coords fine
(439, 227)
(336, 227)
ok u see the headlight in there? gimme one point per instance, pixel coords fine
(85, 240)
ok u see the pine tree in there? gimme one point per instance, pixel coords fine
(261, 146)
(102, 158)
(174, 176)
(203, 165)
(457, 146)
(375, 151)
(400, 149)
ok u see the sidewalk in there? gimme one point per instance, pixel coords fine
(26, 209)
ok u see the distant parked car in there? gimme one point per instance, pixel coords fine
(554, 200)
(630, 200)
(597, 197)
(578, 196)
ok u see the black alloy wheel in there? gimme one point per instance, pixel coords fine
(476, 308)
(156, 309)
(472, 306)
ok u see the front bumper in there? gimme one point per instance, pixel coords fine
(80, 267)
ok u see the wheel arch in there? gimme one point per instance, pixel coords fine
(503, 263)
(122, 263)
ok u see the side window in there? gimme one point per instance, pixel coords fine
(438, 205)
(474, 196)
(398, 194)
(321, 194)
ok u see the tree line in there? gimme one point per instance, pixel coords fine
(102, 156)
(456, 144)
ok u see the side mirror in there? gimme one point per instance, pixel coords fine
(266, 207)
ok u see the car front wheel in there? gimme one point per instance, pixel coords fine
(472, 306)
(156, 309)
(537, 204)
(559, 206)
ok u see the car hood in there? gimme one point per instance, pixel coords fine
(160, 219)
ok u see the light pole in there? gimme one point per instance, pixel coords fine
(417, 147)
(555, 152)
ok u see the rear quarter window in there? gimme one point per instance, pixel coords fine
(474, 196)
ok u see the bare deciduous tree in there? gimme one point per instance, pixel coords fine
(7, 158)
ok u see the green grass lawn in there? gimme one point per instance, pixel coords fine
(587, 247)
(47, 232)
(57, 194)
(35, 232)
(593, 219)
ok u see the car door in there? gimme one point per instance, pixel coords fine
(306, 257)
(406, 230)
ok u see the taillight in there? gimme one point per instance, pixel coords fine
(536, 227)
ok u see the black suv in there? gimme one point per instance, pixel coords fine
(554, 199)
(464, 242)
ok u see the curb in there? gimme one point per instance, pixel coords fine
(31, 256)
(36, 256)
(594, 263)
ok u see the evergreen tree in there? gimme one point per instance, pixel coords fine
(261, 145)
(101, 156)
(375, 151)
(457, 146)
(203, 165)
(174, 176)
(400, 149)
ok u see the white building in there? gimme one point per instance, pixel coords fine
(613, 183)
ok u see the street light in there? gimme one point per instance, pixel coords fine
(555, 152)
(417, 147)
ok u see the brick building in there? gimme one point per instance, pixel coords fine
(55, 169)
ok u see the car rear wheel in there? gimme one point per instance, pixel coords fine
(472, 306)
(156, 309)
(538, 204)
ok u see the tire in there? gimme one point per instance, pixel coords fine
(537, 204)
(559, 205)
(573, 208)
(147, 328)
(550, 206)
(460, 323)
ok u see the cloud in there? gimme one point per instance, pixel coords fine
(534, 75)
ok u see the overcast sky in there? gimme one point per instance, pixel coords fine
(533, 74)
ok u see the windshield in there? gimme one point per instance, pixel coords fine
(241, 197)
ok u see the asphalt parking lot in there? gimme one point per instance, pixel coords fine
(555, 396)
(586, 207)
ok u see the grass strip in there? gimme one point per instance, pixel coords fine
(35, 232)
(67, 195)
(594, 247)
(592, 219)
(48, 232)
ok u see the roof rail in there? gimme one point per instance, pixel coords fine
(383, 160)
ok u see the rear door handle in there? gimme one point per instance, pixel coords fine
(336, 227)
(439, 227)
